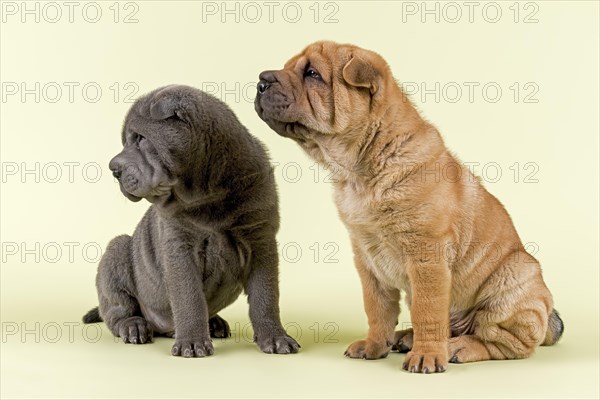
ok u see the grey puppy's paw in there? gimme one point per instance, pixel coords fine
(192, 348)
(219, 328)
(282, 344)
(135, 330)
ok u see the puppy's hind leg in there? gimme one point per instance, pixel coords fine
(403, 340)
(513, 325)
(514, 338)
(119, 309)
(219, 328)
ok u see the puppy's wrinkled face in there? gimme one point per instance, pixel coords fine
(155, 140)
(326, 89)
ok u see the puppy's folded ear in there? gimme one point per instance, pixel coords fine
(363, 71)
(167, 106)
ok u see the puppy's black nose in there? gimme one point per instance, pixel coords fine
(116, 173)
(262, 86)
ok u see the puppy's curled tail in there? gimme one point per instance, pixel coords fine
(92, 316)
(555, 329)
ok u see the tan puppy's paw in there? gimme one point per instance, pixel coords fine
(367, 349)
(403, 341)
(468, 348)
(426, 361)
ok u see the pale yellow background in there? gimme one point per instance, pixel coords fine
(171, 44)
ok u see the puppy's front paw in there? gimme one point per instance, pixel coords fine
(135, 330)
(426, 360)
(282, 344)
(367, 349)
(192, 348)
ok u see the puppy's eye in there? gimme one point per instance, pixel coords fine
(312, 73)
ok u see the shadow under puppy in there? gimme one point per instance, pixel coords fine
(208, 236)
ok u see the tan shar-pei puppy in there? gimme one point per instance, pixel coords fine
(419, 221)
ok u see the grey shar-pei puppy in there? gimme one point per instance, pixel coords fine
(209, 234)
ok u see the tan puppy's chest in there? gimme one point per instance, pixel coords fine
(358, 211)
